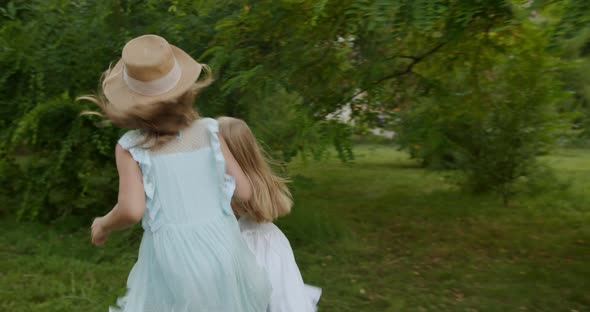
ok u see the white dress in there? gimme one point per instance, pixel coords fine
(273, 252)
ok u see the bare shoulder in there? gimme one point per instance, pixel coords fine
(121, 152)
(124, 159)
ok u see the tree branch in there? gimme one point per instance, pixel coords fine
(415, 60)
(410, 57)
(407, 70)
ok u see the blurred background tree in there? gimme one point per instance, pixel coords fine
(479, 86)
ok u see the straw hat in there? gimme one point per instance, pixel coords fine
(150, 71)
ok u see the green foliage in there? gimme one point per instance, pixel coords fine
(288, 128)
(577, 82)
(63, 162)
(10, 179)
(56, 163)
(568, 23)
(282, 65)
(576, 16)
(491, 117)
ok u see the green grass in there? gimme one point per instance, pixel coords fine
(380, 234)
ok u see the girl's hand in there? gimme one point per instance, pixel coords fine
(99, 232)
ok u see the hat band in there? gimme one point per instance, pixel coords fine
(154, 87)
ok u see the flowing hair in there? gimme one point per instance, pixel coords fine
(271, 198)
(159, 121)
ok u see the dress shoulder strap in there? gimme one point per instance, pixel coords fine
(227, 182)
(131, 141)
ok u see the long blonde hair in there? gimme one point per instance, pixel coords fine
(271, 197)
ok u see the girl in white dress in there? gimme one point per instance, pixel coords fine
(270, 199)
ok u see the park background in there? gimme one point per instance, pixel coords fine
(479, 202)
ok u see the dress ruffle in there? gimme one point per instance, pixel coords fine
(228, 183)
(131, 141)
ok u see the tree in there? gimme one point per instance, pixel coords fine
(282, 65)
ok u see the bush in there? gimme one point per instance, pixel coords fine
(490, 123)
(283, 66)
(53, 51)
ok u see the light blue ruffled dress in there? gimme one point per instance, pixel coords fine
(192, 256)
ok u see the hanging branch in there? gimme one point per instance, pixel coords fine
(407, 70)
(415, 60)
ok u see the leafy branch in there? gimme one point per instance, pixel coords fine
(407, 70)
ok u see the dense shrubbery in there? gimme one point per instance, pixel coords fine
(491, 121)
(283, 66)
(515, 93)
(53, 51)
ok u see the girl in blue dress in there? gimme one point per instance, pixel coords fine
(178, 177)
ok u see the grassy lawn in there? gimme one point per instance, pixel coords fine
(380, 234)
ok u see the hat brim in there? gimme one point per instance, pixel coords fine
(122, 99)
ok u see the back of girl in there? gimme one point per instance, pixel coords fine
(177, 175)
(271, 199)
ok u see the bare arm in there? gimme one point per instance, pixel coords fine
(131, 201)
(243, 190)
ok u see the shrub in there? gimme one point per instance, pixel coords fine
(490, 119)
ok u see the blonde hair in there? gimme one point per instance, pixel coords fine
(271, 197)
(160, 122)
